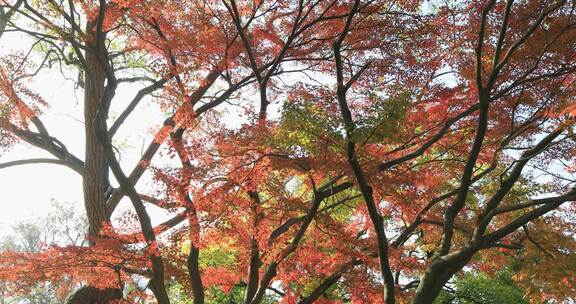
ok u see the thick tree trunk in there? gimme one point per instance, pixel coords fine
(95, 182)
(194, 274)
(438, 274)
(253, 274)
(92, 295)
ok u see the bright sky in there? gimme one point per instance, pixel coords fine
(28, 189)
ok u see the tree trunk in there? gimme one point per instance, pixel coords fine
(438, 274)
(95, 181)
(92, 295)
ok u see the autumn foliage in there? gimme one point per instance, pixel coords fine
(309, 151)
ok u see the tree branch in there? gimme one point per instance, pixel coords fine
(41, 161)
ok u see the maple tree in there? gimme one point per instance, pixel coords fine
(381, 146)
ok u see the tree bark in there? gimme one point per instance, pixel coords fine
(95, 181)
(439, 273)
(92, 295)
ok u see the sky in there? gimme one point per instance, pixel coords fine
(27, 190)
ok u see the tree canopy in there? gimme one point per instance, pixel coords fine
(307, 151)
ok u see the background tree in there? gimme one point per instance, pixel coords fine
(378, 147)
(480, 288)
(64, 226)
